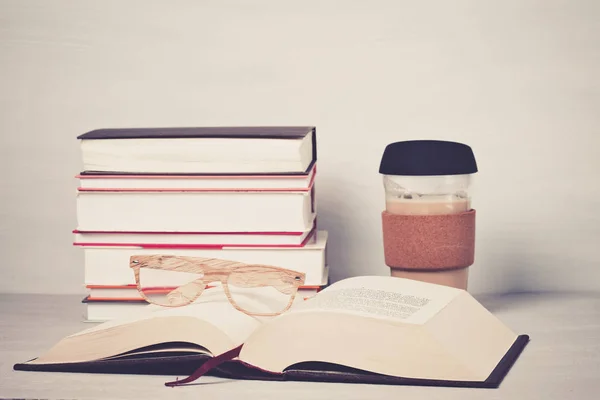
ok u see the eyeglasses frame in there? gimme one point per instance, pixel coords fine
(218, 270)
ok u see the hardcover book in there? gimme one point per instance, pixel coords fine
(184, 211)
(109, 265)
(197, 182)
(200, 150)
(103, 305)
(129, 293)
(373, 329)
(198, 240)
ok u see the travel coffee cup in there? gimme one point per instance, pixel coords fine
(428, 222)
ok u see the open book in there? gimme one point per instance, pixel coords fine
(365, 329)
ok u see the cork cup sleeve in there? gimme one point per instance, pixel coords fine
(434, 242)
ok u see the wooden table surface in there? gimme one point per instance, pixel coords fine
(562, 360)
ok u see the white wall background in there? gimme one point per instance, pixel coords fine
(517, 80)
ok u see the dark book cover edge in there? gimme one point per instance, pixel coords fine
(250, 132)
(185, 365)
(349, 375)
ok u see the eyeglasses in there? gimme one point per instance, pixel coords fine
(254, 289)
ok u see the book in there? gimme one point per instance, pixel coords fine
(195, 211)
(372, 329)
(197, 182)
(214, 240)
(111, 309)
(127, 293)
(109, 265)
(101, 304)
(219, 150)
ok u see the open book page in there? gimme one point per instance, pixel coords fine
(211, 322)
(411, 301)
(386, 325)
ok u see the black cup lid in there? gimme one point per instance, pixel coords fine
(427, 157)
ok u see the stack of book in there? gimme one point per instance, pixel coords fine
(244, 194)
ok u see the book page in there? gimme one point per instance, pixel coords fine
(394, 299)
(212, 306)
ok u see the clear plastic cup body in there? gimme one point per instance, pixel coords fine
(427, 195)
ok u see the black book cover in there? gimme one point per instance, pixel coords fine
(185, 365)
(256, 132)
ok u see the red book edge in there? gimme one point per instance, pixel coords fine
(135, 287)
(191, 233)
(91, 299)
